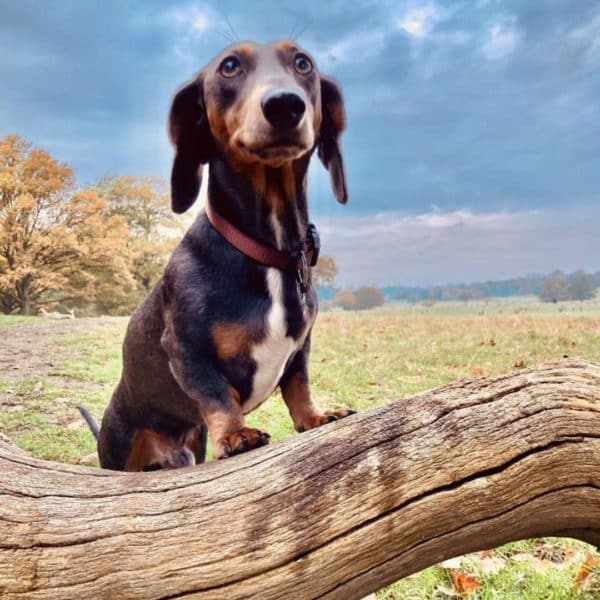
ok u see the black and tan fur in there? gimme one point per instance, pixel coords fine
(188, 362)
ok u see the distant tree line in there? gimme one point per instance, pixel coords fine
(557, 286)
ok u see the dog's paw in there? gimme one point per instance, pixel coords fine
(240, 441)
(318, 419)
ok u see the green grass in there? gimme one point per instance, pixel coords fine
(98, 357)
(10, 321)
(361, 359)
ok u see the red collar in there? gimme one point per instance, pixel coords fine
(299, 260)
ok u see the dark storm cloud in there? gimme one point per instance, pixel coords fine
(487, 105)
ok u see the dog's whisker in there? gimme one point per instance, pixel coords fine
(227, 35)
(236, 37)
(291, 36)
(301, 32)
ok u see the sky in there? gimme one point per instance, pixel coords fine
(473, 141)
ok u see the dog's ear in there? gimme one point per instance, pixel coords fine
(332, 124)
(190, 134)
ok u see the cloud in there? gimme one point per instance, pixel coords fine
(503, 39)
(586, 37)
(460, 246)
(419, 21)
(351, 49)
(189, 25)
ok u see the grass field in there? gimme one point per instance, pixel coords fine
(361, 359)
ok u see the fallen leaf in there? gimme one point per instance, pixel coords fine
(585, 576)
(463, 583)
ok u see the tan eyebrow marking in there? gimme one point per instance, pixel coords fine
(286, 45)
(245, 50)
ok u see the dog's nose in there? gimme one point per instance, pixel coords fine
(283, 108)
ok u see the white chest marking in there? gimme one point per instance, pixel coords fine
(273, 352)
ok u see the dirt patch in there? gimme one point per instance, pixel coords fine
(9, 403)
(35, 348)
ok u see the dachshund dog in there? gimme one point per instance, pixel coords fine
(231, 317)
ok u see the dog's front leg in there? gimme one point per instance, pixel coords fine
(295, 389)
(228, 434)
(215, 403)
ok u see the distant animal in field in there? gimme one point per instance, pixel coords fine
(70, 314)
(231, 318)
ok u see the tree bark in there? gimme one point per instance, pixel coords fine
(336, 512)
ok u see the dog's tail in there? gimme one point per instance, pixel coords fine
(89, 420)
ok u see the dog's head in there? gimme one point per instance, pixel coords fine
(255, 104)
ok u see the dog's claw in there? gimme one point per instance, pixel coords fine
(317, 419)
(263, 438)
(237, 442)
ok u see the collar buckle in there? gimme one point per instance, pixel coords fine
(313, 242)
(303, 275)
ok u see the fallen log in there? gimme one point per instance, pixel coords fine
(336, 512)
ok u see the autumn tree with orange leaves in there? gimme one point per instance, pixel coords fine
(154, 231)
(325, 271)
(57, 243)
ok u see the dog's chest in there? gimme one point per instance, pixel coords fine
(272, 353)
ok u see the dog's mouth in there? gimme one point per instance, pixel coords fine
(280, 149)
(274, 151)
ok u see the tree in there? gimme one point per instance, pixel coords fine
(56, 243)
(554, 289)
(143, 203)
(411, 297)
(434, 293)
(581, 287)
(478, 291)
(450, 292)
(368, 296)
(465, 296)
(325, 271)
(345, 299)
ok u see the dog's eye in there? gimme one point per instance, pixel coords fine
(230, 67)
(302, 64)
